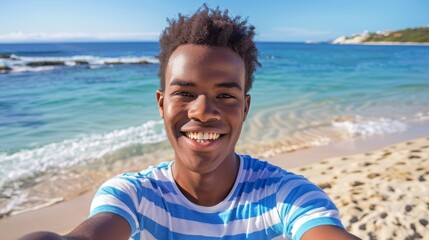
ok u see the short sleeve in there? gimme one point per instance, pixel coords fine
(119, 196)
(303, 205)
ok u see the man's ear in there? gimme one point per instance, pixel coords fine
(160, 100)
(246, 106)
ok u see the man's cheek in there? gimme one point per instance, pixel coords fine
(169, 111)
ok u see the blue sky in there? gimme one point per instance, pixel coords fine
(143, 20)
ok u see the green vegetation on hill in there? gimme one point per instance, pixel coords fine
(417, 35)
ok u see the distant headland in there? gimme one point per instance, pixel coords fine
(409, 36)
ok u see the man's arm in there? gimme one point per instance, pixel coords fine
(103, 226)
(328, 233)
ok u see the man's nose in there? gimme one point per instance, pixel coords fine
(203, 110)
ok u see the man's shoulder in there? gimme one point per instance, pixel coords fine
(151, 177)
(267, 174)
(150, 172)
(264, 168)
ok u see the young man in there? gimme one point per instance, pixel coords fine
(208, 191)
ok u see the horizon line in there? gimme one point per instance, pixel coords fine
(148, 41)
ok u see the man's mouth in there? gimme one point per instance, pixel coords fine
(201, 137)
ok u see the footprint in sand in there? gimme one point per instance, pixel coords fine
(373, 175)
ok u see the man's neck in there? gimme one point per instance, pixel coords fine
(208, 189)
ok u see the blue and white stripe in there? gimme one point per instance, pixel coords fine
(266, 202)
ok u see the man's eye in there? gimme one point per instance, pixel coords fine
(183, 94)
(225, 95)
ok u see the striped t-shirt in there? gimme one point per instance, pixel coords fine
(266, 202)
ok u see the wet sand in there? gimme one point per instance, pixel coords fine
(381, 194)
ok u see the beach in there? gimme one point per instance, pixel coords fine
(73, 115)
(378, 184)
(381, 194)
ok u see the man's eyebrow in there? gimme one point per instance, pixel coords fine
(182, 83)
(229, 85)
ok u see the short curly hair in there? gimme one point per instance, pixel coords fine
(210, 27)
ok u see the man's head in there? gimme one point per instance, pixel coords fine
(210, 27)
(207, 62)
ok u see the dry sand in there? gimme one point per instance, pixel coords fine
(381, 194)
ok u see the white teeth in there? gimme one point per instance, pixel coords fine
(199, 136)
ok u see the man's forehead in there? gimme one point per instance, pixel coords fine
(194, 62)
(206, 54)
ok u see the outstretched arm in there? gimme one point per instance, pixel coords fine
(328, 233)
(106, 226)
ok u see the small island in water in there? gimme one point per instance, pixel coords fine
(411, 36)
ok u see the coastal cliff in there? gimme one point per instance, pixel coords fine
(406, 36)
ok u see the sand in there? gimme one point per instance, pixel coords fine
(381, 194)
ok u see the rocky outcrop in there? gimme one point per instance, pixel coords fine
(5, 55)
(45, 63)
(80, 62)
(410, 36)
(4, 69)
(355, 39)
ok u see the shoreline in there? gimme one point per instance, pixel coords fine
(77, 209)
(384, 43)
(397, 43)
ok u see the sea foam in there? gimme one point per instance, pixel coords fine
(29, 162)
(367, 126)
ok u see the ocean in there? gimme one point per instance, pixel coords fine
(74, 114)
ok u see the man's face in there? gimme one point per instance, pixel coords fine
(204, 106)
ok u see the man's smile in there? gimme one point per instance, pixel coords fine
(201, 137)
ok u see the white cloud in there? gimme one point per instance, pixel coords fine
(76, 36)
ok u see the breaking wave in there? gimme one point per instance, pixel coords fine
(29, 162)
(12, 63)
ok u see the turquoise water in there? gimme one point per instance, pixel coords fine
(94, 114)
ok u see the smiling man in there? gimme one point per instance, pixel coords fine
(208, 191)
(204, 106)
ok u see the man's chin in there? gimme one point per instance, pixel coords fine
(200, 162)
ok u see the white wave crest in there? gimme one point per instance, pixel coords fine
(27, 163)
(17, 69)
(420, 116)
(90, 59)
(29, 64)
(361, 126)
